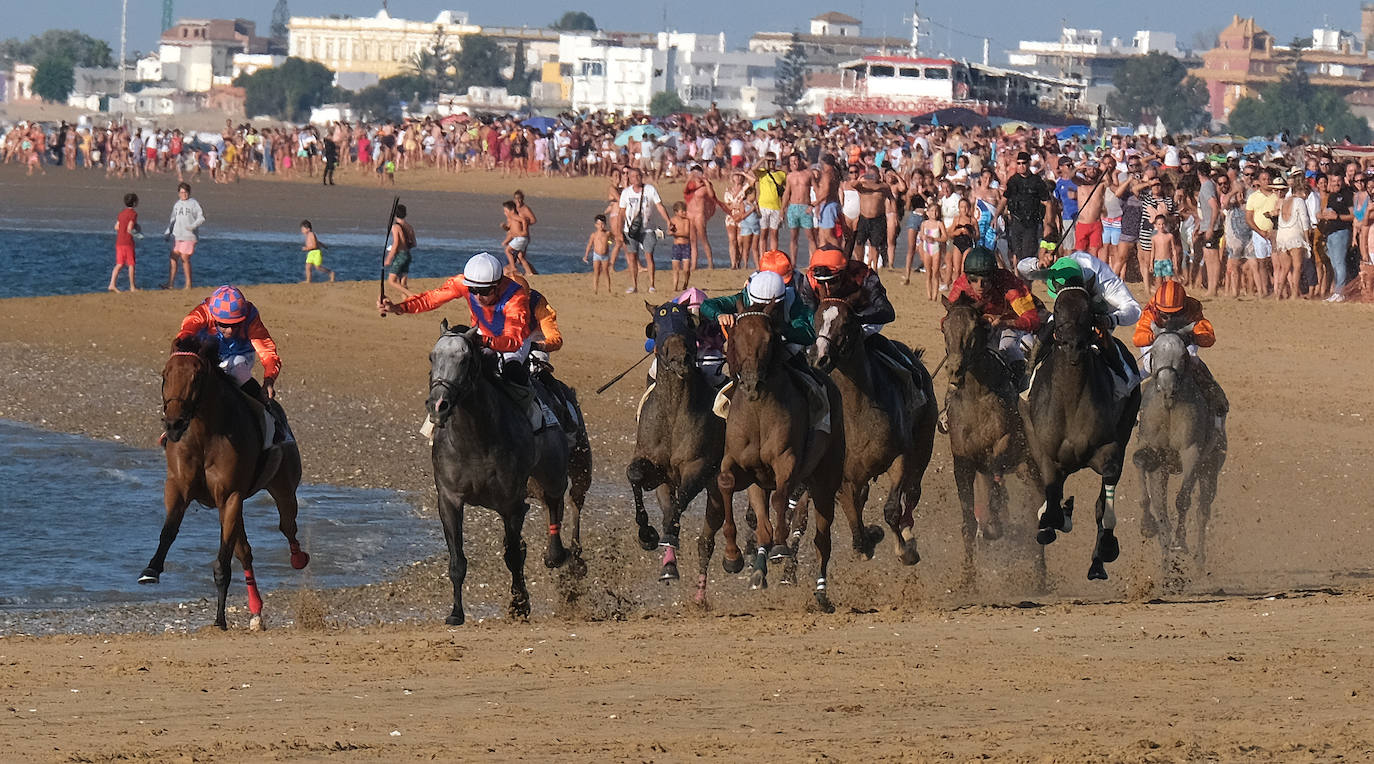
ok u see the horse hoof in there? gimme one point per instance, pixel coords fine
(780, 552)
(1148, 528)
(669, 540)
(873, 535)
(577, 567)
(648, 538)
(520, 608)
(758, 580)
(734, 565)
(789, 573)
(1108, 548)
(1045, 536)
(823, 602)
(669, 573)
(300, 559)
(991, 530)
(455, 619)
(149, 576)
(909, 555)
(1096, 571)
(555, 558)
(256, 624)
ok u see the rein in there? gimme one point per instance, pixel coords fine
(188, 403)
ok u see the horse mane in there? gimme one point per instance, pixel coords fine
(204, 345)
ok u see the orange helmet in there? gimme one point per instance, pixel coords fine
(777, 261)
(1169, 297)
(830, 258)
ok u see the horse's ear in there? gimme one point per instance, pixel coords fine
(209, 350)
(647, 306)
(443, 326)
(1155, 328)
(470, 333)
(1187, 328)
(739, 304)
(944, 301)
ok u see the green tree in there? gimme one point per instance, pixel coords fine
(281, 17)
(1158, 85)
(520, 77)
(81, 49)
(665, 102)
(790, 77)
(479, 63)
(1295, 105)
(435, 67)
(54, 78)
(574, 21)
(288, 91)
(376, 102)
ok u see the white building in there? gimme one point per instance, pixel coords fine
(198, 54)
(835, 24)
(148, 68)
(159, 101)
(605, 75)
(1085, 57)
(379, 45)
(17, 83)
(250, 63)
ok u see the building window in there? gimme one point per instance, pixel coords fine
(700, 93)
(910, 71)
(593, 69)
(881, 71)
(937, 74)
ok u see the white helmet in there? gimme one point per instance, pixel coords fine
(482, 270)
(765, 287)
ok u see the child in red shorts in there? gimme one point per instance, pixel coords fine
(125, 228)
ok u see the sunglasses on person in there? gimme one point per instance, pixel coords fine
(222, 326)
(482, 291)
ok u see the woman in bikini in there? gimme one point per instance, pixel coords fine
(933, 237)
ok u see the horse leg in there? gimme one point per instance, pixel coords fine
(1189, 459)
(964, 473)
(284, 494)
(176, 510)
(579, 483)
(514, 521)
(733, 561)
(638, 474)
(451, 516)
(230, 526)
(825, 518)
(1054, 516)
(244, 552)
(706, 542)
(1107, 548)
(554, 554)
(692, 483)
(1207, 492)
(1145, 461)
(798, 509)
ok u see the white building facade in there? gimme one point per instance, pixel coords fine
(379, 45)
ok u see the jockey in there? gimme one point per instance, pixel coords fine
(777, 261)
(500, 308)
(1007, 303)
(766, 287)
(545, 338)
(1172, 308)
(710, 350)
(833, 275)
(230, 318)
(1113, 305)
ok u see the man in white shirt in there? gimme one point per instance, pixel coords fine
(637, 203)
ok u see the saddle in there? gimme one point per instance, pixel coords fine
(817, 400)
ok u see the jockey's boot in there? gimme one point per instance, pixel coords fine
(1217, 403)
(1019, 378)
(282, 433)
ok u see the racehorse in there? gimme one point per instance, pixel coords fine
(889, 427)
(771, 442)
(486, 453)
(216, 456)
(987, 436)
(1075, 420)
(1178, 435)
(680, 441)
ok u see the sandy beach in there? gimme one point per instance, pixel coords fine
(1264, 657)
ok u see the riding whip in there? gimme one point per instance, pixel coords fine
(386, 245)
(622, 374)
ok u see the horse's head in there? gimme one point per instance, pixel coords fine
(753, 345)
(837, 334)
(1073, 322)
(674, 333)
(454, 364)
(966, 334)
(1169, 357)
(183, 382)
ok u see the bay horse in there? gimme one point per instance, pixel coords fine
(772, 444)
(1178, 435)
(1075, 420)
(888, 430)
(215, 456)
(486, 453)
(679, 441)
(987, 436)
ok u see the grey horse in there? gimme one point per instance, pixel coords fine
(1180, 436)
(486, 453)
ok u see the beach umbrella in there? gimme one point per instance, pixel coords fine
(1258, 145)
(541, 123)
(767, 123)
(637, 133)
(1073, 131)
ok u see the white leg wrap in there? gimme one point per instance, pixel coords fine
(1044, 505)
(1109, 508)
(820, 584)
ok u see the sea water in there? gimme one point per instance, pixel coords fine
(47, 261)
(81, 518)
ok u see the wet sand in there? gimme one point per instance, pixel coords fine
(913, 667)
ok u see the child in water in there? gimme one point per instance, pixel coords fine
(599, 250)
(314, 255)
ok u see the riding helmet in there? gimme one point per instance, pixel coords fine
(827, 262)
(980, 262)
(765, 287)
(1065, 272)
(1169, 297)
(228, 305)
(778, 262)
(482, 270)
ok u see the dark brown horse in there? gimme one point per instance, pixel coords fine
(987, 436)
(215, 455)
(486, 453)
(771, 442)
(679, 442)
(889, 427)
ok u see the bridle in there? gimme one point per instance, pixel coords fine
(451, 388)
(188, 403)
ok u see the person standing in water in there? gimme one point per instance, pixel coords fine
(314, 254)
(187, 218)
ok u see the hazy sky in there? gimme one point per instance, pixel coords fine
(955, 26)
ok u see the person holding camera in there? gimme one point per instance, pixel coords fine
(637, 204)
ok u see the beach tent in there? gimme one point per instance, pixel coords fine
(955, 116)
(638, 132)
(1073, 131)
(1259, 145)
(541, 123)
